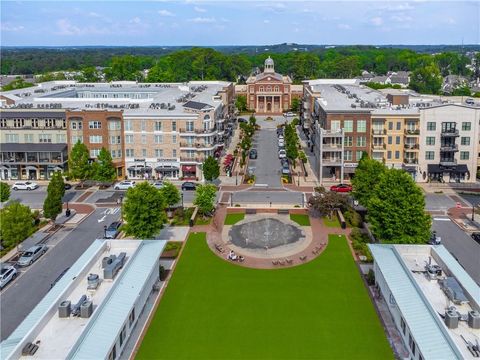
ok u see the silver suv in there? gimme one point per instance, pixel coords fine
(24, 185)
(32, 254)
(7, 274)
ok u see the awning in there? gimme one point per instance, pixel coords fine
(189, 168)
(30, 167)
(460, 169)
(166, 168)
(434, 169)
(140, 168)
(5, 167)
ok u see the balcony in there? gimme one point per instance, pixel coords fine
(448, 162)
(412, 132)
(412, 147)
(449, 133)
(330, 146)
(379, 146)
(449, 148)
(410, 161)
(197, 131)
(200, 159)
(331, 161)
(379, 132)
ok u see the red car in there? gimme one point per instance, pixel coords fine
(341, 188)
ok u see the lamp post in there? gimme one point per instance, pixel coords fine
(182, 199)
(236, 177)
(121, 207)
(104, 231)
(473, 212)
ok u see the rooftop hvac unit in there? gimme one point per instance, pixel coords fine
(451, 319)
(453, 290)
(93, 280)
(64, 309)
(112, 269)
(86, 309)
(107, 260)
(76, 307)
(474, 319)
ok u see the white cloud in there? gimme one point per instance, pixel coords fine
(344, 27)
(399, 7)
(376, 21)
(203, 20)
(12, 28)
(451, 21)
(401, 18)
(66, 28)
(94, 14)
(135, 20)
(165, 13)
(272, 7)
(199, 9)
(266, 21)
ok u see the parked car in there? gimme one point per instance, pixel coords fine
(7, 274)
(240, 120)
(253, 154)
(24, 185)
(280, 131)
(434, 239)
(284, 162)
(67, 186)
(289, 114)
(112, 230)
(281, 142)
(285, 170)
(341, 188)
(280, 137)
(476, 236)
(32, 254)
(188, 185)
(158, 184)
(282, 154)
(124, 185)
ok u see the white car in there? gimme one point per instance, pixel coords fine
(24, 185)
(124, 185)
(7, 274)
(289, 114)
(281, 142)
(280, 137)
(158, 184)
(282, 154)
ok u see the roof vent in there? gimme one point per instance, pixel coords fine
(474, 319)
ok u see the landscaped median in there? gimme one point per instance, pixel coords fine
(212, 309)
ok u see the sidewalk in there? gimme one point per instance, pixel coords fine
(311, 179)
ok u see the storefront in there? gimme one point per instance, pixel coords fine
(167, 169)
(439, 173)
(411, 170)
(189, 172)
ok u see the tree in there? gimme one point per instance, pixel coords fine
(241, 103)
(78, 162)
(211, 169)
(205, 199)
(295, 104)
(104, 169)
(52, 205)
(143, 211)
(427, 79)
(170, 194)
(4, 192)
(396, 211)
(16, 224)
(326, 202)
(367, 175)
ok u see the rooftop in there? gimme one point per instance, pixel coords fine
(76, 337)
(421, 300)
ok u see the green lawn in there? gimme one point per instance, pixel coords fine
(213, 309)
(199, 220)
(232, 219)
(333, 222)
(300, 219)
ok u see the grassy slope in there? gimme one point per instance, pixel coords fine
(213, 309)
(233, 218)
(300, 219)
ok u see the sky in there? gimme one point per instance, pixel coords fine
(209, 23)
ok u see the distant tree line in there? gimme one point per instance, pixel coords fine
(209, 64)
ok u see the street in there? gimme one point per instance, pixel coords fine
(267, 197)
(65, 247)
(35, 198)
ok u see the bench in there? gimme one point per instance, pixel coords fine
(303, 258)
(192, 218)
(341, 219)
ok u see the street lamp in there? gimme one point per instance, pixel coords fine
(182, 199)
(473, 212)
(104, 231)
(236, 177)
(67, 211)
(121, 207)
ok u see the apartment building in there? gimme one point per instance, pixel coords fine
(98, 129)
(33, 143)
(151, 130)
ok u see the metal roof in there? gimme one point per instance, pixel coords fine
(24, 113)
(430, 334)
(30, 147)
(107, 321)
(50, 300)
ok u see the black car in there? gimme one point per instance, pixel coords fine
(67, 186)
(476, 236)
(112, 230)
(188, 185)
(253, 154)
(240, 120)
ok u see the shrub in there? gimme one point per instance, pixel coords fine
(353, 218)
(370, 277)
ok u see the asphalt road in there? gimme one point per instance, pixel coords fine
(438, 202)
(114, 194)
(35, 198)
(267, 166)
(459, 244)
(265, 197)
(65, 247)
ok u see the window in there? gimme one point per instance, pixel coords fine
(115, 139)
(361, 125)
(464, 155)
(95, 139)
(143, 125)
(159, 153)
(390, 140)
(174, 139)
(144, 152)
(430, 140)
(113, 153)
(431, 126)
(397, 140)
(174, 126)
(466, 126)
(389, 154)
(28, 138)
(348, 155)
(76, 139)
(129, 153)
(174, 153)
(123, 335)
(131, 317)
(94, 153)
(358, 155)
(348, 125)
(158, 139)
(113, 353)
(11, 138)
(114, 125)
(61, 138)
(397, 154)
(128, 125)
(399, 125)
(335, 125)
(44, 138)
(128, 139)
(144, 139)
(429, 155)
(465, 140)
(158, 126)
(348, 140)
(403, 326)
(390, 125)
(361, 141)
(76, 125)
(94, 125)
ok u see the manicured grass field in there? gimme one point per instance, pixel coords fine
(333, 222)
(213, 309)
(232, 219)
(300, 219)
(199, 220)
